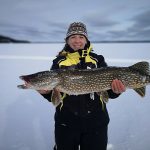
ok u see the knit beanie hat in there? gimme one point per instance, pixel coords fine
(77, 28)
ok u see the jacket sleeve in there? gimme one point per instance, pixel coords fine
(102, 63)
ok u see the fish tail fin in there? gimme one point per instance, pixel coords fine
(142, 66)
(141, 91)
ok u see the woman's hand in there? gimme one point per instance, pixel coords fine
(117, 86)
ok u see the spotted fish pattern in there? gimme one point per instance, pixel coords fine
(76, 82)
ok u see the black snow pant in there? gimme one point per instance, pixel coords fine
(69, 139)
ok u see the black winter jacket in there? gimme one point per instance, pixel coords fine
(82, 111)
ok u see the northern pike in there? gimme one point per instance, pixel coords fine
(76, 82)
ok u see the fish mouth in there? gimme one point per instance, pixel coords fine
(21, 77)
(23, 86)
(25, 78)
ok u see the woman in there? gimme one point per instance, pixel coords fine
(81, 121)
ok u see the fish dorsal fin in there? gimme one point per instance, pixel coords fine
(142, 67)
(141, 91)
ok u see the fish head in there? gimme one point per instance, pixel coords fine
(45, 80)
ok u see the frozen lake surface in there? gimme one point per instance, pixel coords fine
(27, 119)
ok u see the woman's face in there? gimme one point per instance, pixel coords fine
(77, 42)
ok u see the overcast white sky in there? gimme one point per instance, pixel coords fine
(48, 20)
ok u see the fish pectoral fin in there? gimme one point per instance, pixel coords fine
(141, 91)
(55, 97)
(103, 96)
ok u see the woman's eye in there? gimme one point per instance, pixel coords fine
(72, 37)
